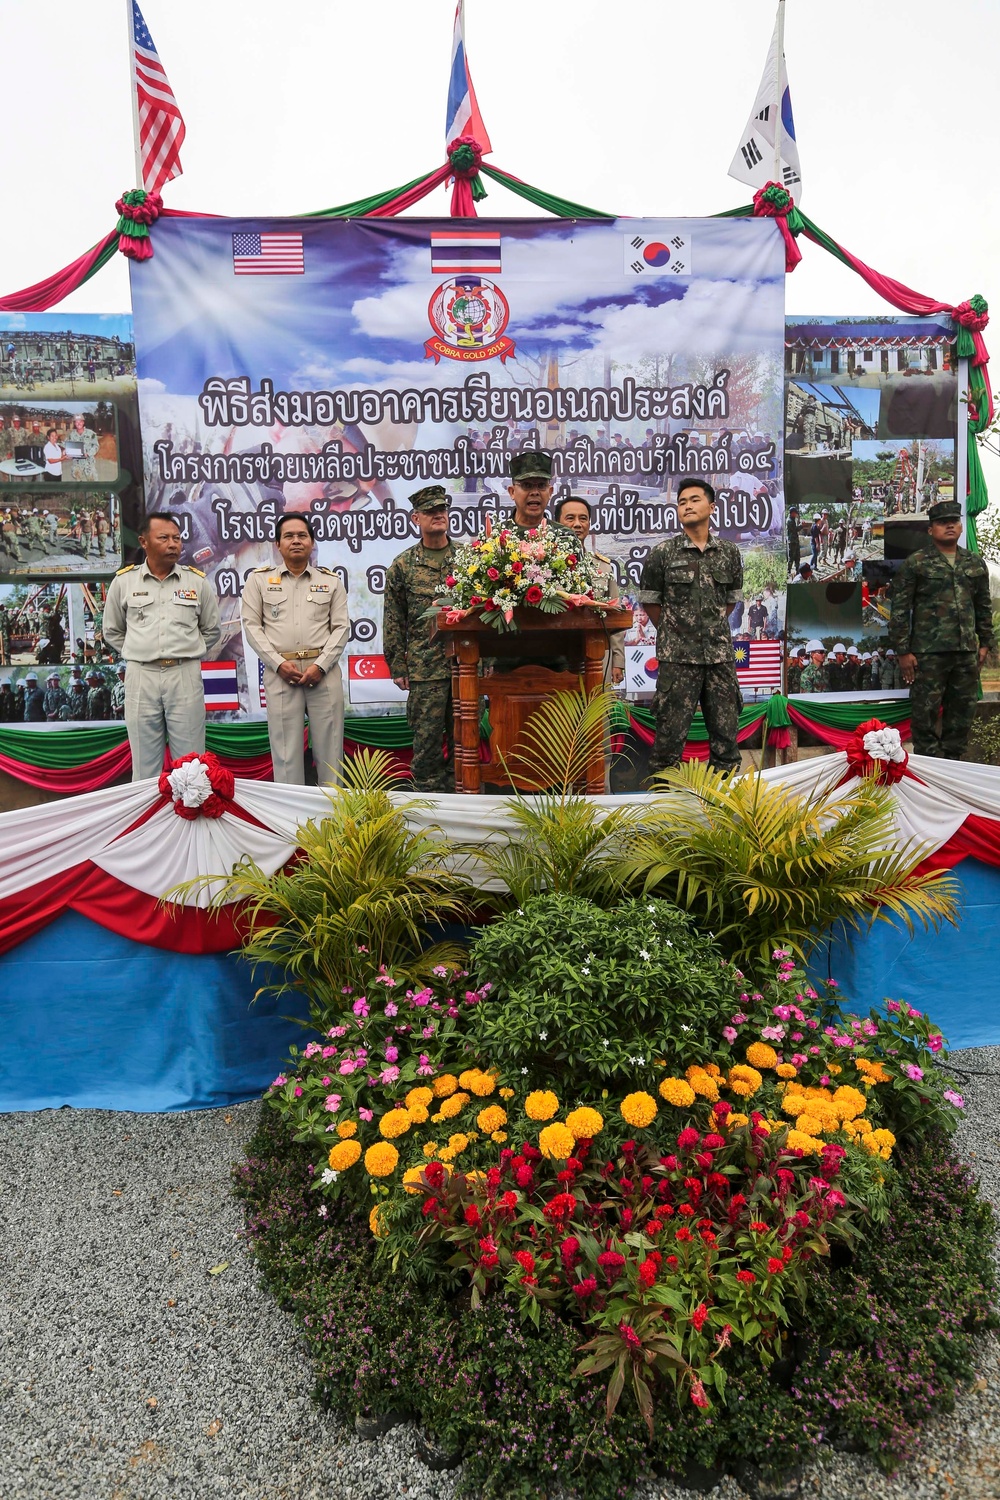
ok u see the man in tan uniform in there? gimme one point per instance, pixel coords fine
(163, 619)
(295, 618)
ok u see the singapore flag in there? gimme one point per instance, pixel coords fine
(368, 681)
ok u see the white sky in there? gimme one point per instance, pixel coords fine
(630, 106)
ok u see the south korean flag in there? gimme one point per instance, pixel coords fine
(668, 254)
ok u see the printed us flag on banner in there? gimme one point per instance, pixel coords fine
(218, 678)
(758, 663)
(454, 251)
(272, 253)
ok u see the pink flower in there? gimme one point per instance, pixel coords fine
(337, 1031)
(892, 1005)
(869, 1028)
(392, 1009)
(311, 1050)
(298, 1093)
(783, 1012)
(955, 1099)
(332, 1103)
(812, 993)
(440, 971)
(366, 1115)
(391, 1053)
(739, 1019)
(281, 1079)
(386, 979)
(773, 1033)
(798, 1058)
(835, 1199)
(325, 1081)
(912, 1071)
(388, 1075)
(427, 1032)
(360, 1007)
(812, 1023)
(329, 1051)
(729, 1033)
(796, 1036)
(914, 1015)
(347, 1066)
(814, 1052)
(935, 1042)
(825, 1081)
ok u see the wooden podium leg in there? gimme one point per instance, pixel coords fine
(593, 680)
(466, 701)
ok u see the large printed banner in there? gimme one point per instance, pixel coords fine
(337, 366)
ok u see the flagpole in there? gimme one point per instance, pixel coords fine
(130, 39)
(778, 63)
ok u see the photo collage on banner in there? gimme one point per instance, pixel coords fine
(70, 501)
(871, 422)
(336, 367)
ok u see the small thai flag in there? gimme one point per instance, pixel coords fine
(219, 681)
(455, 252)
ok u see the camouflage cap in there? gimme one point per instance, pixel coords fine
(431, 497)
(531, 465)
(945, 510)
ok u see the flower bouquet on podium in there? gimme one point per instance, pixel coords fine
(546, 569)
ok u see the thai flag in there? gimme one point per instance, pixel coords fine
(463, 117)
(457, 252)
(219, 681)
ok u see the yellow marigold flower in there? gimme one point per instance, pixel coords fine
(584, 1123)
(483, 1084)
(786, 1070)
(445, 1085)
(393, 1123)
(733, 1121)
(377, 1223)
(491, 1118)
(412, 1176)
(804, 1142)
(446, 1154)
(506, 1093)
(474, 1176)
(381, 1160)
(676, 1091)
(418, 1114)
(419, 1097)
(638, 1110)
(848, 1103)
(744, 1081)
(760, 1055)
(453, 1105)
(541, 1104)
(499, 1136)
(713, 1070)
(883, 1138)
(794, 1104)
(437, 1118)
(702, 1082)
(557, 1142)
(430, 1148)
(465, 1079)
(810, 1124)
(346, 1129)
(764, 1128)
(834, 1068)
(862, 1126)
(343, 1155)
(458, 1143)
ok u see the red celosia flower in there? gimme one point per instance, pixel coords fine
(611, 1263)
(434, 1173)
(712, 1141)
(653, 1228)
(704, 1160)
(664, 1210)
(627, 1217)
(787, 1253)
(775, 1265)
(717, 1182)
(801, 1218)
(508, 1201)
(525, 1260)
(569, 1252)
(722, 1109)
(673, 1262)
(628, 1150)
(759, 1225)
(562, 1206)
(684, 1234)
(747, 1277)
(670, 1162)
(698, 1394)
(531, 1152)
(524, 1177)
(630, 1336)
(574, 1164)
(647, 1185)
(430, 1204)
(585, 1288)
(686, 1210)
(493, 1177)
(698, 1317)
(688, 1138)
(709, 1238)
(647, 1275)
(626, 1184)
(785, 1178)
(472, 1215)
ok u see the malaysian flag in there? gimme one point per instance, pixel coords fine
(161, 129)
(758, 663)
(462, 115)
(455, 252)
(271, 254)
(218, 678)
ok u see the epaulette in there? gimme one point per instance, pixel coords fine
(193, 570)
(267, 568)
(600, 556)
(332, 572)
(127, 569)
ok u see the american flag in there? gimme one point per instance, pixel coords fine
(758, 663)
(454, 251)
(161, 129)
(270, 254)
(219, 682)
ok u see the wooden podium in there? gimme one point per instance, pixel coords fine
(581, 636)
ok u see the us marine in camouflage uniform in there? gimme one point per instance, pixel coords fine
(688, 587)
(942, 629)
(416, 663)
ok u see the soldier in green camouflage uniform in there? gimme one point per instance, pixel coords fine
(942, 629)
(55, 699)
(889, 676)
(814, 678)
(76, 707)
(793, 672)
(417, 663)
(689, 585)
(118, 693)
(98, 697)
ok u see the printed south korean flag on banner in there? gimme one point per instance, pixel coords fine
(668, 254)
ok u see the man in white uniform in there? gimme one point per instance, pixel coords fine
(163, 618)
(295, 618)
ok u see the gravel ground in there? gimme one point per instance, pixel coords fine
(129, 1371)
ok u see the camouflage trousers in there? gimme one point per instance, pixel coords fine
(429, 715)
(680, 687)
(943, 702)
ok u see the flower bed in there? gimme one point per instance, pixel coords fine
(599, 1207)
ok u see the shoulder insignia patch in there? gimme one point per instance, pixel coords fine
(189, 569)
(127, 569)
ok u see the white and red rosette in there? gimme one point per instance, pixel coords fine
(876, 749)
(198, 785)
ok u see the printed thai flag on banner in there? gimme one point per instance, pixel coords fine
(462, 116)
(218, 678)
(268, 254)
(368, 681)
(455, 252)
(758, 663)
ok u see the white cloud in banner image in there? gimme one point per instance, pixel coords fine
(736, 317)
(150, 387)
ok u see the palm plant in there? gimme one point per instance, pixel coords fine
(764, 867)
(562, 841)
(364, 893)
